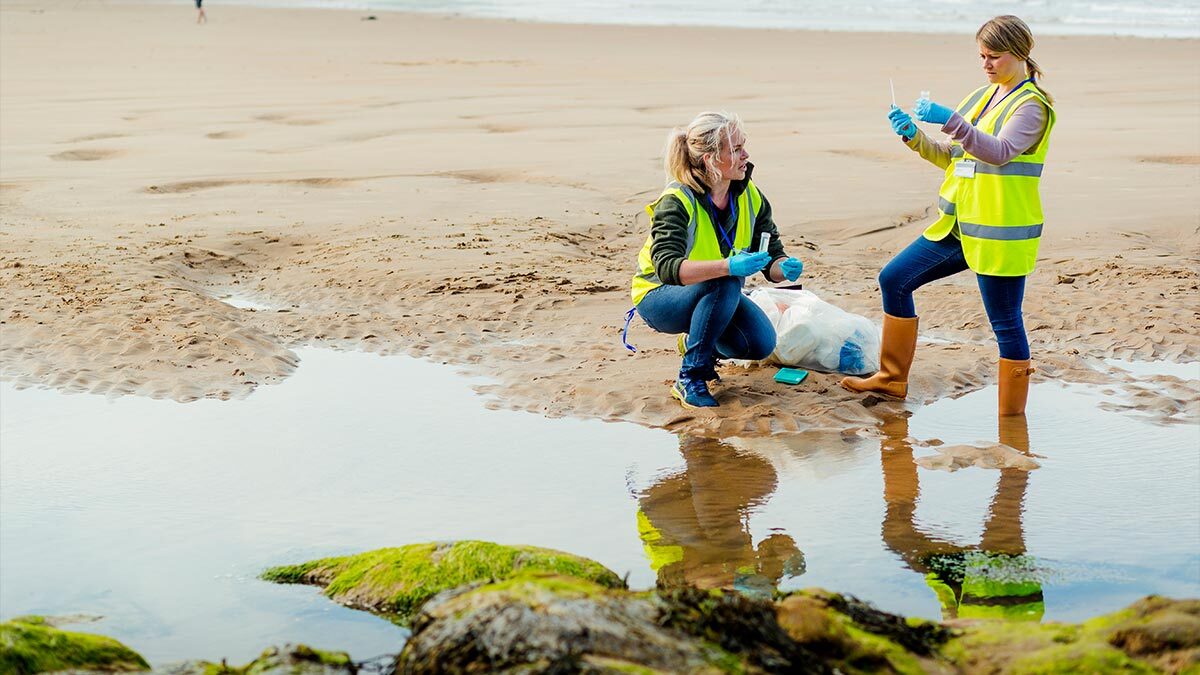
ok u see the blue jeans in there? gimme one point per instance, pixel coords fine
(717, 318)
(925, 261)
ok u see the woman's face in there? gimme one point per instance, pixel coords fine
(1001, 67)
(731, 162)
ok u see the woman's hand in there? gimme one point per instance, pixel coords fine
(744, 264)
(928, 111)
(791, 268)
(902, 124)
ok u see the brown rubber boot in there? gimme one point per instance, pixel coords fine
(1014, 386)
(895, 358)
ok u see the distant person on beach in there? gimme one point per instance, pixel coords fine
(989, 207)
(706, 234)
(201, 17)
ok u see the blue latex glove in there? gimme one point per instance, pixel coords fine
(928, 111)
(744, 264)
(902, 124)
(791, 269)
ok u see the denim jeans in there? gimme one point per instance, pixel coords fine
(925, 261)
(718, 319)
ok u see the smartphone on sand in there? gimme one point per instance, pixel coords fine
(790, 375)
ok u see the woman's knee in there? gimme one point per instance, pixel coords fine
(727, 287)
(894, 279)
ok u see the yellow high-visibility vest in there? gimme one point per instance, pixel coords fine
(998, 209)
(702, 242)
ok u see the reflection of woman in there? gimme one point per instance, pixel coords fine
(705, 231)
(991, 580)
(990, 210)
(694, 524)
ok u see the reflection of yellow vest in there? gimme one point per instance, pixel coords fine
(702, 243)
(660, 553)
(999, 210)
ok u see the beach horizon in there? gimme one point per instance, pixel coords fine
(1173, 19)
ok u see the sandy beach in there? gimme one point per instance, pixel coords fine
(471, 191)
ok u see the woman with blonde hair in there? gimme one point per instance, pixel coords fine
(705, 238)
(989, 207)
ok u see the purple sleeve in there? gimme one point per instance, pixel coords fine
(1022, 131)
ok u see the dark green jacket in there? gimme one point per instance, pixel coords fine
(669, 231)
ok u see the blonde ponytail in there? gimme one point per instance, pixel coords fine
(689, 153)
(675, 157)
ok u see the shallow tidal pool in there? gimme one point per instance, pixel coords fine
(158, 516)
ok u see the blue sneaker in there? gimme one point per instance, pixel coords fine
(693, 393)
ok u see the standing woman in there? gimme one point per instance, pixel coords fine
(704, 230)
(989, 207)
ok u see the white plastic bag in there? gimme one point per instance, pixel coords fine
(815, 335)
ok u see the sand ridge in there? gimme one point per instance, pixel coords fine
(481, 205)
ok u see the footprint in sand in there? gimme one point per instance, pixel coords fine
(85, 155)
(223, 135)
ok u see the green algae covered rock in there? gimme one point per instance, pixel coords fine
(551, 624)
(395, 581)
(482, 607)
(1153, 635)
(286, 660)
(29, 644)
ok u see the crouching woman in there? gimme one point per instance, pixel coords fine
(705, 234)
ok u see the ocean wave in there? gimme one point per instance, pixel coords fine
(1162, 19)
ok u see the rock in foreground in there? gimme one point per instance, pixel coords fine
(550, 624)
(29, 644)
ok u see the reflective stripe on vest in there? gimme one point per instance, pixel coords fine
(702, 238)
(998, 210)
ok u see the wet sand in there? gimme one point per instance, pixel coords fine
(471, 191)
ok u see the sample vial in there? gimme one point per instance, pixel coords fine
(764, 240)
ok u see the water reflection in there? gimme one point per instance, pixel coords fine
(695, 522)
(995, 578)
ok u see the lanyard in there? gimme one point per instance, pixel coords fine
(989, 101)
(716, 221)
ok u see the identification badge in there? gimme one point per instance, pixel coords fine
(964, 168)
